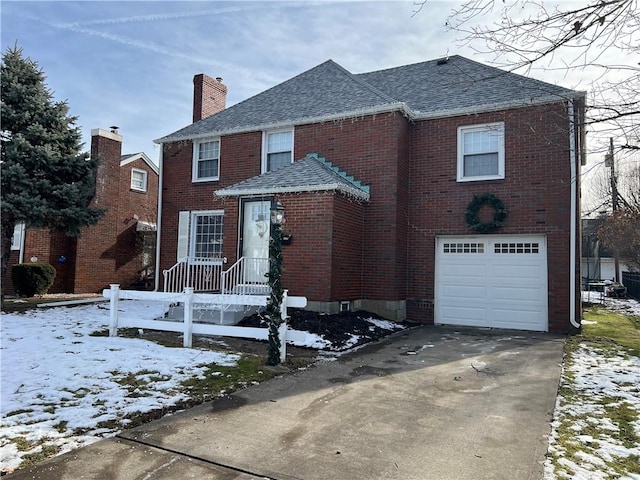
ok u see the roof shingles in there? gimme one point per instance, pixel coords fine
(421, 90)
(311, 173)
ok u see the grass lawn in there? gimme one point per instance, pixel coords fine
(596, 427)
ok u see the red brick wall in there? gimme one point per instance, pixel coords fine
(536, 191)
(239, 159)
(307, 262)
(415, 197)
(347, 277)
(54, 248)
(209, 96)
(110, 252)
(372, 149)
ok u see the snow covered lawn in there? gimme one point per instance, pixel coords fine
(596, 427)
(62, 389)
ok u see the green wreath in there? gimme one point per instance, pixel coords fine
(473, 209)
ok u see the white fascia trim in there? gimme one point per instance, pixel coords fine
(354, 192)
(140, 156)
(494, 107)
(391, 107)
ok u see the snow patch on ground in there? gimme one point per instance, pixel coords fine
(57, 380)
(598, 378)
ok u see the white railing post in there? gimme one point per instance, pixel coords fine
(113, 309)
(283, 326)
(188, 316)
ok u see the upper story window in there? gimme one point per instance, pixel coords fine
(206, 161)
(277, 150)
(138, 179)
(481, 152)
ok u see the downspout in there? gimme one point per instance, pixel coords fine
(574, 201)
(23, 238)
(159, 220)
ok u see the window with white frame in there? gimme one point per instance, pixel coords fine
(206, 160)
(18, 235)
(277, 150)
(206, 236)
(138, 179)
(481, 152)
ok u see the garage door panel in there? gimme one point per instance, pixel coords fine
(526, 320)
(519, 273)
(466, 314)
(492, 281)
(452, 292)
(515, 293)
(460, 272)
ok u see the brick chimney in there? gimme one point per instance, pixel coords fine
(209, 96)
(106, 145)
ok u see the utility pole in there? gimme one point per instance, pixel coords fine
(609, 161)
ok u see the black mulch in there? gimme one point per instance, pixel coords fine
(338, 329)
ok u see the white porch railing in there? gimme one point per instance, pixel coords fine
(201, 276)
(188, 327)
(246, 276)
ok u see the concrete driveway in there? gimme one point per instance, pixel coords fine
(429, 403)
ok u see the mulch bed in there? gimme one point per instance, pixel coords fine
(338, 328)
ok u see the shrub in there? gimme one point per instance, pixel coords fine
(31, 279)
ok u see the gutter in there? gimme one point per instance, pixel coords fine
(377, 110)
(159, 220)
(574, 189)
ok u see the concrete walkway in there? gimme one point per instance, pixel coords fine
(430, 403)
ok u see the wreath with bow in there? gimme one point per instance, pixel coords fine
(473, 210)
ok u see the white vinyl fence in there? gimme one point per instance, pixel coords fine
(188, 327)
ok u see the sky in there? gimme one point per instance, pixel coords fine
(131, 64)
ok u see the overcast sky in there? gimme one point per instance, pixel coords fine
(131, 64)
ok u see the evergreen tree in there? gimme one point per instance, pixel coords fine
(45, 179)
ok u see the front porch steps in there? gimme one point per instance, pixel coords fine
(212, 314)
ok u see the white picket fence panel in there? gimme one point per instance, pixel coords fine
(189, 328)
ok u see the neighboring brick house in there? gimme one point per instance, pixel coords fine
(377, 172)
(120, 248)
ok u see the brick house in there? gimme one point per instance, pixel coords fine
(120, 248)
(378, 173)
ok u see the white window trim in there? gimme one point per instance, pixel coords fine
(265, 136)
(145, 175)
(192, 237)
(17, 239)
(194, 166)
(480, 127)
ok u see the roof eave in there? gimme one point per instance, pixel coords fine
(386, 108)
(347, 190)
(140, 156)
(494, 107)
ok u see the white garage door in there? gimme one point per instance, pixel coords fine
(492, 281)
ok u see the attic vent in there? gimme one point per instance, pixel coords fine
(443, 61)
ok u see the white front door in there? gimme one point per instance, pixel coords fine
(255, 240)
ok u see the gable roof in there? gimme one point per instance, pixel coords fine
(310, 174)
(456, 84)
(436, 88)
(325, 90)
(132, 157)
